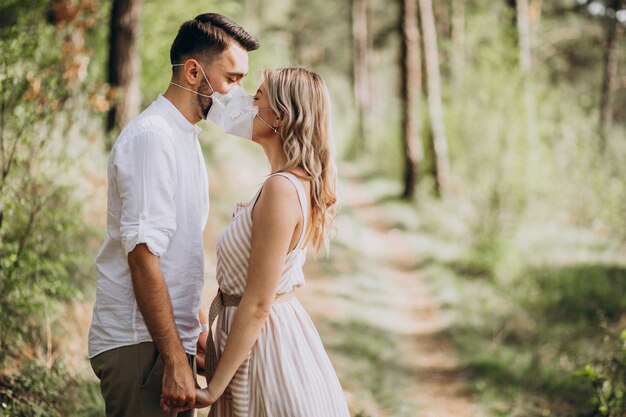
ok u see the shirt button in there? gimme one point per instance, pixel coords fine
(143, 217)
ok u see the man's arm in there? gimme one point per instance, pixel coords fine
(155, 305)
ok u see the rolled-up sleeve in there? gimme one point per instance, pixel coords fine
(144, 171)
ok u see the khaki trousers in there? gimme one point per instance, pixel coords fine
(131, 378)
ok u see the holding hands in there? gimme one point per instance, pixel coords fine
(180, 391)
(179, 387)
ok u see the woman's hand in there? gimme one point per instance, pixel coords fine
(201, 352)
(204, 398)
(201, 344)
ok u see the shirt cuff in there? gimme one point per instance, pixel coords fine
(156, 239)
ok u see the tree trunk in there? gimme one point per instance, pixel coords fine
(534, 12)
(124, 62)
(523, 34)
(458, 45)
(525, 64)
(410, 66)
(609, 73)
(296, 38)
(431, 56)
(360, 70)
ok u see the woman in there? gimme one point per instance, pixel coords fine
(271, 361)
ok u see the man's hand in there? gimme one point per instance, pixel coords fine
(179, 387)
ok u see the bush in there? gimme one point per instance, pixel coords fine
(38, 391)
(44, 92)
(608, 378)
(41, 232)
(43, 265)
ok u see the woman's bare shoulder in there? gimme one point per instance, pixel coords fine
(278, 197)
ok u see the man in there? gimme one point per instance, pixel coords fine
(146, 325)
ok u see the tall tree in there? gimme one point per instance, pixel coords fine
(523, 19)
(534, 12)
(609, 73)
(435, 107)
(523, 34)
(410, 68)
(360, 69)
(458, 44)
(124, 62)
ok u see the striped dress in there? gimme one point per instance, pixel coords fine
(287, 373)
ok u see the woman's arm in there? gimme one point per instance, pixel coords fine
(274, 221)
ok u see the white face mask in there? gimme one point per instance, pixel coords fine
(234, 111)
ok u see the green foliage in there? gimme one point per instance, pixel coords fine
(44, 263)
(45, 97)
(525, 323)
(42, 256)
(37, 391)
(527, 288)
(608, 377)
(578, 293)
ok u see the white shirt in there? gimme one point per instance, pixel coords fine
(158, 194)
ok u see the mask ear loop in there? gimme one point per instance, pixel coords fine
(269, 125)
(189, 89)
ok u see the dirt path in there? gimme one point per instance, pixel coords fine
(380, 323)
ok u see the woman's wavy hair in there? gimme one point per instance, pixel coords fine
(301, 100)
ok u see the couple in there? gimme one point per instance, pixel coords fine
(266, 358)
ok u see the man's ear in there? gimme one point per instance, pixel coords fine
(192, 72)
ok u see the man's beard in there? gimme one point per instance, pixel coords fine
(205, 106)
(204, 103)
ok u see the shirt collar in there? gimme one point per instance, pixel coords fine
(180, 120)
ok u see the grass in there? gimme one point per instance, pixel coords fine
(520, 360)
(375, 363)
(528, 311)
(527, 319)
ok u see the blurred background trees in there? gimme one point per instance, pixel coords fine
(45, 93)
(506, 118)
(124, 69)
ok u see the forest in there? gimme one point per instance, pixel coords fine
(479, 264)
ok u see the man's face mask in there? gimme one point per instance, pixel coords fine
(234, 111)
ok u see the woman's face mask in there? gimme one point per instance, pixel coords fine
(234, 111)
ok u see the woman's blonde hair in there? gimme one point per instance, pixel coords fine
(301, 100)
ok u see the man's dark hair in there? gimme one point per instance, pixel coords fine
(209, 35)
